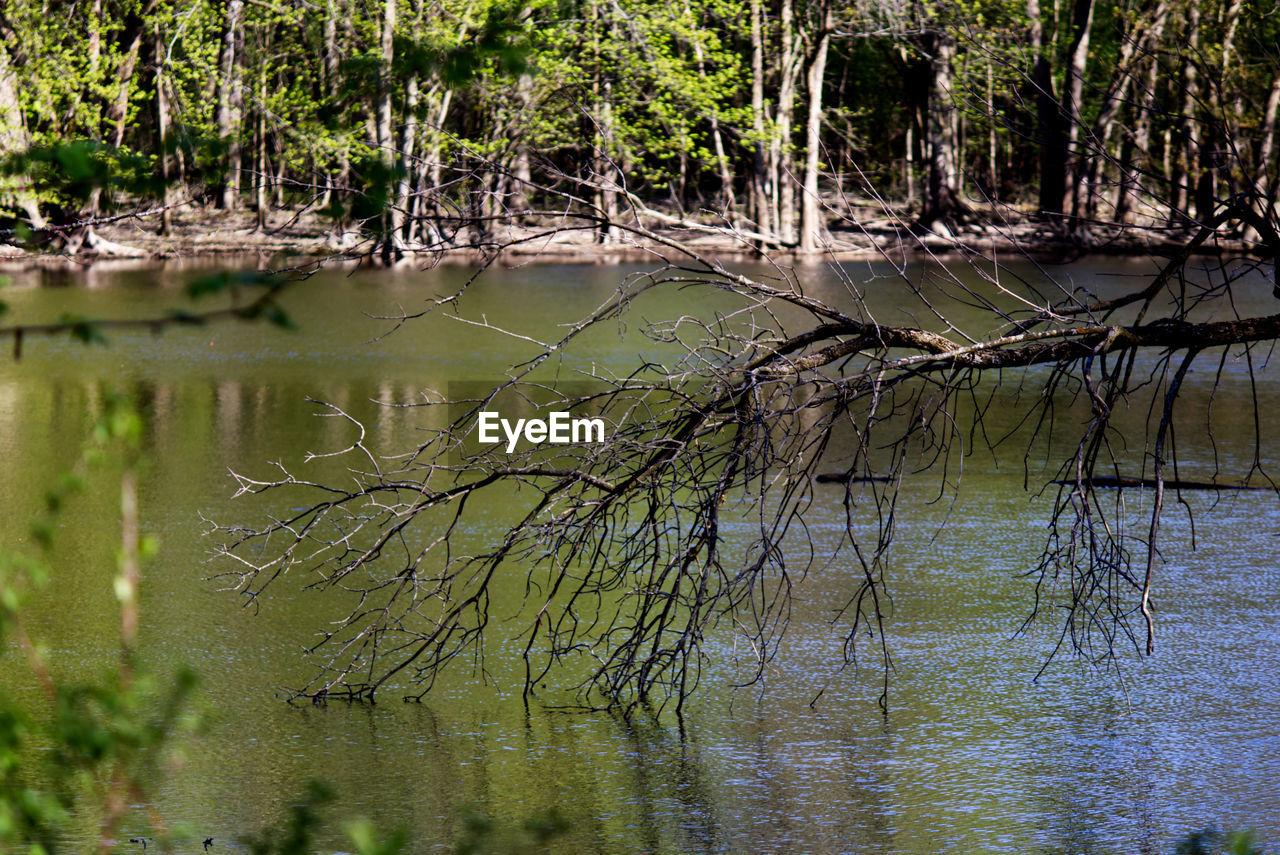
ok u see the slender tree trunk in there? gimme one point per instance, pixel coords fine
(761, 188)
(1266, 147)
(784, 178)
(261, 166)
(162, 131)
(1267, 181)
(1144, 107)
(811, 219)
(329, 65)
(229, 102)
(604, 168)
(429, 165)
(993, 171)
(941, 201)
(1134, 43)
(1082, 19)
(1212, 159)
(409, 134)
(1185, 134)
(392, 218)
(94, 45)
(1049, 125)
(521, 166)
(909, 160)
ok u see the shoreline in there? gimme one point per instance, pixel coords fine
(210, 236)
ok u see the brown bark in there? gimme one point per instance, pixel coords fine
(1185, 134)
(761, 186)
(229, 101)
(604, 167)
(163, 140)
(1073, 97)
(393, 217)
(1266, 148)
(782, 147)
(941, 201)
(811, 220)
(1049, 125)
(1105, 127)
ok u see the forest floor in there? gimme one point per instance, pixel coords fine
(209, 235)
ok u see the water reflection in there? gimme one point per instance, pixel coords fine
(972, 755)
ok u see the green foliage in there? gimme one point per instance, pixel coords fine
(98, 739)
(639, 82)
(68, 173)
(1212, 842)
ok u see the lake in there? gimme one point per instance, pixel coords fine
(972, 755)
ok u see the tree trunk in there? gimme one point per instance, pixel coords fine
(1144, 107)
(229, 102)
(811, 219)
(329, 83)
(784, 178)
(163, 143)
(909, 160)
(1049, 126)
(429, 166)
(521, 167)
(761, 188)
(1185, 137)
(1132, 44)
(1265, 183)
(392, 218)
(261, 166)
(606, 168)
(409, 134)
(1214, 139)
(941, 200)
(1082, 20)
(993, 171)
(603, 167)
(1267, 147)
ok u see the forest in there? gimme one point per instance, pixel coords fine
(787, 122)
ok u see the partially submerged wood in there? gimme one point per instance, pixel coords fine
(1151, 483)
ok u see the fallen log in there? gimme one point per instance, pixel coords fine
(1169, 484)
(844, 478)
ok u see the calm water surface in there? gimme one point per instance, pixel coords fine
(972, 755)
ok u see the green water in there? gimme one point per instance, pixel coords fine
(972, 756)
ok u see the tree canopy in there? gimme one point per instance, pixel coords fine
(774, 118)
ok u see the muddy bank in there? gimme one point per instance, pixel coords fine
(210, 236)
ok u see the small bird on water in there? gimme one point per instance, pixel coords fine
(208, 841)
